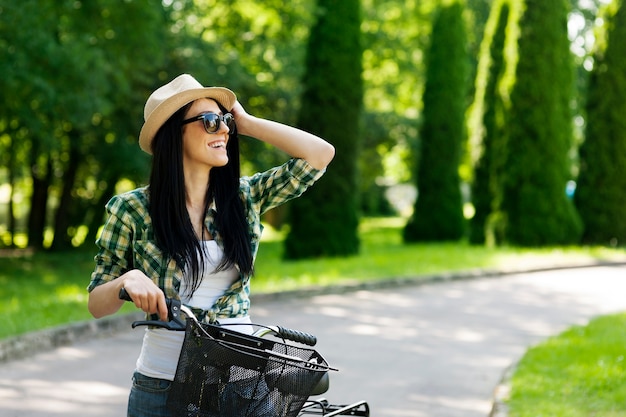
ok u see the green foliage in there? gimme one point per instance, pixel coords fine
(254, 48)
(540, 136)
(324, 221)
(578, 373)
(67, 86)
(600, 195)
(438, 214)
(487, 129)
(75, 75)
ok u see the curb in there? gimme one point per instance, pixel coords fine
(29, 344)
(395, 282)
(501, 393)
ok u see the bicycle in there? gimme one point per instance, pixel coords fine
(222, 372)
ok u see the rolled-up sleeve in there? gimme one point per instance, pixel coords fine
(278, 185)
(114, 254)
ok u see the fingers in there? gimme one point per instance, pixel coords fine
(239, 113)
(237, 109)
(152, 302)
(146, 295)
(162, 309)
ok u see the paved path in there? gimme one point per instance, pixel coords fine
(435, 350)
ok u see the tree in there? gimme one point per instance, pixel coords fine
(540, 136)
(128, 45)
(74, 90)
(438, 213)
(487, 127)
(601, 190)
(324, 221)
(69, 103)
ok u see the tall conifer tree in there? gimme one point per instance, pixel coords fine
(540, 131)
(325, 220)
(438, 213)
(601, 192)
(487, 126)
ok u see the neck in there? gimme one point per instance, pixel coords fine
(196, 185)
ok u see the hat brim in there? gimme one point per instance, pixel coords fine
(168, 107)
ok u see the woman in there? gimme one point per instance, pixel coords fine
(194, 231)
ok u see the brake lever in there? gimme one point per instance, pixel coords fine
(175, 320)
(174, 309)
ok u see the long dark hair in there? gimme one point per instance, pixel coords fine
(173, 230)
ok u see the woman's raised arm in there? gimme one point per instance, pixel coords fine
(295, 142)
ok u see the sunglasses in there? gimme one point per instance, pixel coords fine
(212, 121)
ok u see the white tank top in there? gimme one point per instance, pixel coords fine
(161, 348)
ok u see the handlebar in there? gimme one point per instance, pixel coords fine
(177, 323)
(174, 308)
(288, 334)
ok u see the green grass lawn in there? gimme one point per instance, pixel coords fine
(579, 373)
(383, 255)
(48, 289)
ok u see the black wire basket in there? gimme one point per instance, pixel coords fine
(225, 373)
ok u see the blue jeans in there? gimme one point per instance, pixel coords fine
(148, 397)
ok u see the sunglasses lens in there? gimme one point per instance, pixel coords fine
(211, 122)
(229, 119)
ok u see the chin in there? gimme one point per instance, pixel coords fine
(222, 162)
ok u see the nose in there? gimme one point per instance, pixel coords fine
(227, 129)
(225, 126)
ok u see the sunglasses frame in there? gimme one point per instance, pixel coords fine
(220, 119)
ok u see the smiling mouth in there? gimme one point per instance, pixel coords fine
(217, 145)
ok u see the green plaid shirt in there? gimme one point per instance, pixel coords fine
(127, 239)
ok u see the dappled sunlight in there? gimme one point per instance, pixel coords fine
(457, 404)
(271, 234)
(435, 350)
(365, 329)
(71, 293)
(395, 299)
(67, 381)
(527, 259)
(467, 335)
(47, 288)
(333, 311)
(399, 411)
(593, 284)
(71, 353)
(444, 347)
(56, 397)
(374, 223)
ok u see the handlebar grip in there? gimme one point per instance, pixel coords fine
(297, 336)
(173, 309)
(123, 295)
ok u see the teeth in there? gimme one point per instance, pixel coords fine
(216, 144)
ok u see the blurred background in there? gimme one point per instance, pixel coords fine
(506, 115)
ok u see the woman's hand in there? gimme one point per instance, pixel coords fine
(295, 142)
(243, 120)
(146, 295)
(238, 111)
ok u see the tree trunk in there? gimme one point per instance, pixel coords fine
(38, 203)
(63, 218)
(97, 212)
(11, 213)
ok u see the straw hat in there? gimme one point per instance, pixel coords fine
(168, 99)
